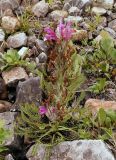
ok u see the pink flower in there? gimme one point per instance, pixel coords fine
(50, 34)
(65, 30)
(42, 110)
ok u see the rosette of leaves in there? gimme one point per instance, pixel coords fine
(102, 61)
(12, 59)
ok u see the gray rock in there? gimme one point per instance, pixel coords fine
(10, 24)
(74, 11)
(28, 92)
(107, 4)
(11, 77)
(75, 150)
(81, 4)
(41, 45)
(9, 157)
(31, 41)
(74, 19)
(40, 9)
(58, 15)
(17, 40)
(98, 11)
(3, 89)
(112, 25)
(42, 57)
(111, 32)
(2, 35)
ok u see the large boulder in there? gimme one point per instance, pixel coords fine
(75, 150)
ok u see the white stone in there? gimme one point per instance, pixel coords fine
(98, 10)
(2, 35)
(14, 75)
(74, 150)
(40, 9)
(23, 51)
(17, 40)
(10, 24)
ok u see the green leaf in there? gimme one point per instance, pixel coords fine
(101, 116)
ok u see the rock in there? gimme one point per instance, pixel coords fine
(111, 32)
(40, 9)
(107, 4)
(112, 25)
(98, 39)
(31, 41)
(2, 35)
(98, 10)
(56, 5)
(9, 157)
(74, 11)
(42, 57)
(74, 19)
(17, 40)
(96, 104)
(79, 35)
(14, 75)
(28, 92)
(58, 15)
(10, 24)
(3, 89)
(4, 106)
(22, 52)
(74, 150)
(41, 45)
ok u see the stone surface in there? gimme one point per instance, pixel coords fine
(80, 35)
(110, 31)
(74, 11)
(98, 11)
(2, 35)
(4, 106)
(9, 157)
(75, 150)
(58, 15)
(10, 24)
(112, 25)
(28, 92)
(41, 45)
(14, 75)
(3, 89)
(74, 19)
(40, 9)
(23, 52)
(17, 40)
(108, 4)
(42, 57)
(96, 104)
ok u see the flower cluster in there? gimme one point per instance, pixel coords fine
(63, 31)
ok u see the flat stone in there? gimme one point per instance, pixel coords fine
(57, 15)
(79, 35)
(28, 92)
(40, 9)
(3, 89)
(74, 11)
(10, 24)
(41, 45)
(75, 150)
(74, 19)
(2, 35)
(98, 11)
(4, 106)
(96, 104)
(17, 40)
(14, 75)
(23, 52)
(112, 25)
(42, 57)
